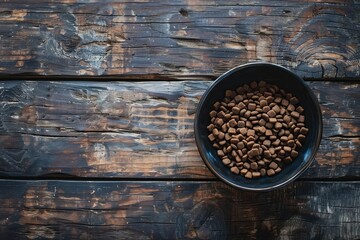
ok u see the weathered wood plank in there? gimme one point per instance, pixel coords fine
(142, 129)
(177, 210)
(201, 39)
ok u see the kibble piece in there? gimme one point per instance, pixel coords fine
(254, 166)
(301, 137)
(287, 149)
(211, 137)
(294, 100)
(295, 114)
(304, 130)
(271, 113)
(215, 131)
(299, 109)
(263, 103)
(221, 135)
(243, 171)
(294, 154)
(267, 143)
(278, 125)
(248, 175)
(229, 93)
(250, 132)
(251, 106)
(235, 110)
(256, 174)
(226, 161)
(285, 102)
(263, 171)
(276, 109)
(270, 172)
(272, 120)
(273, 165)
(278, 170)
(232, 130)
(268, 132)
(232, 123)
(235, 170)
(290, 107)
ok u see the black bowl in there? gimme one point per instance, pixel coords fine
(286, 80)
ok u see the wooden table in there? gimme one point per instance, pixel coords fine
(97, 106)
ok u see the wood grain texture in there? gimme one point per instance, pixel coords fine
(141, 130)
(177, 210)
(174, 40)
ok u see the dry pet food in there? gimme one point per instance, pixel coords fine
(257, 129)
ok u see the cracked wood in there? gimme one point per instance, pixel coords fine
(163, 39)
(94, 129)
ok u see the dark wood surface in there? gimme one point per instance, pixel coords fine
(97, 102)
(94, 129)
(177, 210)
(174, 40)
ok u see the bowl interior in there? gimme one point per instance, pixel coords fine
(286, 80)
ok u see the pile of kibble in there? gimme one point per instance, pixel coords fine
(257, 129)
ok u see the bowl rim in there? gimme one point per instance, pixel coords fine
(298, 172)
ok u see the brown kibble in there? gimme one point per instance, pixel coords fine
(238, 98)
(247, 165)
(295, 114)
(243, 171)
(285, 102)
(304, 130)
(251, 106)
(211, 137)
(263, 103)
(221, 135)
(220, 153)
(284, 138)
(227, 136)
(229, 93)
(263, 171)
(294, 100)
(232, 130)
(219, 122)
(267, 143)
(241, 124)
(273, 165)
(256, 174)
(290, 108)
(288, 159)
(299, 109)
(253, 85)
(213, 113)
(267, 154)
(276, 109)
(287, 149)
(235, 110)
(254, 166)
(232, 123)
(294, 154)
(301, 138)
(272, 120)
(262, 129)
(287, 118)
(250, 132)
(265, 117)
(248, 175)
(268, 132)
(215, 131)
(278, 170)
(271, 113)
(278, 125)
(226, 161)
(270, 172)
(301, 119)
(235, 170)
